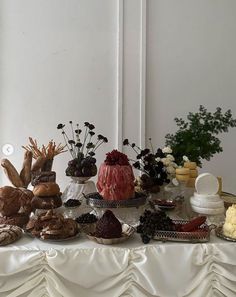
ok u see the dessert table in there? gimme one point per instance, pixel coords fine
(84, 268)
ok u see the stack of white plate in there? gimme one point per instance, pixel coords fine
(206, 200)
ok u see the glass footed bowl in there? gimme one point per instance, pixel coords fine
(80, 179)
(127, 211)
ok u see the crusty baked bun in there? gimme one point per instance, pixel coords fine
(9, 234)
(43, 177)
(46, 189)
(18, 219)
(46, 202)
(25, 200)
(9, 201)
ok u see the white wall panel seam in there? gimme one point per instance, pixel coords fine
(120, 69)
(142, 85)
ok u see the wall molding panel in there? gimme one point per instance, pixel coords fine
(131, 72)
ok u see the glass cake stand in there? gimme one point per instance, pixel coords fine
(127, 211)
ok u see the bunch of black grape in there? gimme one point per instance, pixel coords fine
(86, 218)
(84, 166)
(151, 222)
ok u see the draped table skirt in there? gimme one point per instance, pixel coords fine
(83, 268)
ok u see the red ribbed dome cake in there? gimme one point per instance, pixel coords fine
(116, 177)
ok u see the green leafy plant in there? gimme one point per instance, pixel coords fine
(196, 138)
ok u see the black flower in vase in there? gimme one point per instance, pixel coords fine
(82, 149)
(154, 172)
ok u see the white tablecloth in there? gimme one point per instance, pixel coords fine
(83, 268)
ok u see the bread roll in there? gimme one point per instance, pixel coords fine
(9, 201)
(11, 173)
(9, 234)
(38, 164)
(46, 202)
(46, 189)
(18, 219)
(25, 173)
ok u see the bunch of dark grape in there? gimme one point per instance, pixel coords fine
(86, 218)
(151, 222)
(94, 195)
(82, 167)
(72, 203)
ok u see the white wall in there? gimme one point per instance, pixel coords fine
(58, 63)
(191, 60)
(95, 60)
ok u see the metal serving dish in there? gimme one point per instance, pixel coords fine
(138, 200)
(201, 235)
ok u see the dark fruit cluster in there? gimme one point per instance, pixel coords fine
(116, 158)
(72, 203)
(82, 167)
(151, 222)
(94, 195)
(86, 218)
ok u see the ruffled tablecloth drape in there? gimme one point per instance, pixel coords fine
(82, 268)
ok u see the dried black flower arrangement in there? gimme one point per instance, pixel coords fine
(82, 148)
(156, 166)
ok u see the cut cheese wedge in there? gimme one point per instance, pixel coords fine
(182, 171)
(190, 165)
(182, 178)
(193, 173)
(204, 203)
(208, 211)
(191, 182)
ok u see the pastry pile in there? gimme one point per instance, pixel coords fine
(50, 225)
(108, 226)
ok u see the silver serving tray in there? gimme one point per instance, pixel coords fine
(102, 203)
(202, 235)
(219, 233)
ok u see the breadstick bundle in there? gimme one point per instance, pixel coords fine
(43, 163)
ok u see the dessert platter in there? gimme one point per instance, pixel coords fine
(51, 226)
(109, 230)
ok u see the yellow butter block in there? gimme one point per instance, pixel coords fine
(190, 165)
(182, 171)
(193, 173)
(191, 182)
(182, 178)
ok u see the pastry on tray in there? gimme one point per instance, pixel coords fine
(115, 177)
(108, 226)
(109, 230)
(49, 225)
